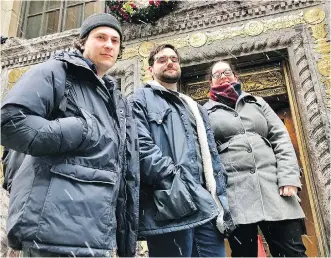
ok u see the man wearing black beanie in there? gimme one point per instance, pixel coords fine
(76, 191)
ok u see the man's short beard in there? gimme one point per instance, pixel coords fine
(169, 79)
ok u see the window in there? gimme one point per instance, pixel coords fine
(47, 17)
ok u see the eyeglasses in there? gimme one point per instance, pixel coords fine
(164, 59)
(218, 74)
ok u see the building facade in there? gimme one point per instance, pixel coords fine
(280, 48)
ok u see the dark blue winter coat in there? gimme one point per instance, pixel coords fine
(172, 195)
(77, 192)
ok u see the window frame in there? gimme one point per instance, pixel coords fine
(22, 32)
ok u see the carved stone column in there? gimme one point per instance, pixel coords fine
(314, 125)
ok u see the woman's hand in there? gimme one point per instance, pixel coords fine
(288, 190)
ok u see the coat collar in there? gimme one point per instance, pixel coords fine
(76, 58)
(158, 87)
(73, 57)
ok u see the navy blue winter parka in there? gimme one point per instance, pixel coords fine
(77, 191)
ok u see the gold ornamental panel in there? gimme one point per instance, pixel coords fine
(268, 92)
(198, 39)
(323, 66)
(260, 82)
(176, 42)
(314, 16)
(198, 90)
(264, 82)
(129, 53)
(145, 48)
(254, 28)
(319, 30)
(15, 74)
(323, 46)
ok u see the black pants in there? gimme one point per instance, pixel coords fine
(283, 237)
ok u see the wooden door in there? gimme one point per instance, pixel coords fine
(310, 239)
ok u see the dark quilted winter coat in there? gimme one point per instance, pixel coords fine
(76, 193)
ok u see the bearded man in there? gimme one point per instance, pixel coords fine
(183, 203)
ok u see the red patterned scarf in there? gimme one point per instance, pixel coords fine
(227, 93)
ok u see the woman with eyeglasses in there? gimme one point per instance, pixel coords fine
(263, 175)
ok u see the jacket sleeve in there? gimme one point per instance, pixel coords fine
(154, 166)
(288, 172)
(25, 123)
(11, 160)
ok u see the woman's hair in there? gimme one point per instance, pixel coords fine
(210, 70)
(80, 42)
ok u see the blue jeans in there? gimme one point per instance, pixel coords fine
(201, 241)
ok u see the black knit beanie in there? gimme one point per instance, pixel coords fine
(97, 20)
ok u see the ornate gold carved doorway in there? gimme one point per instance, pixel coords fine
(271, 81)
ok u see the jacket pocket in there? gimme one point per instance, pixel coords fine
(85, 174)
(158, 128)
(158, 117)
(78, 200)
(175, 202)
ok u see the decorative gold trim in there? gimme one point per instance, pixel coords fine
(145, 48)
(283, 22)
(323, 46)
(323, 66)
(198, 93)
(253, 28)
(198, 39)
(314, 15)
(177, 42)
(15, 74)
(268, 92)
(263, 83)
(129, 53)
(319, 31)
(326, 81)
